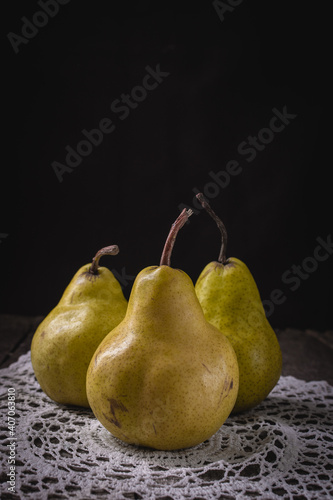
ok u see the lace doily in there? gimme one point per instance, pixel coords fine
(283, 449)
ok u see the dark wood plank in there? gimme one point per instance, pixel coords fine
(307, 355)
(16, 333)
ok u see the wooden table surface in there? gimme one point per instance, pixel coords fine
(307, 354)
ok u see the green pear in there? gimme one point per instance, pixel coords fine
(65, 341)
(231, 301)
(164, 378)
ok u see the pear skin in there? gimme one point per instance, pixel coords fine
(231, 301)
(164, 378)
(65, 341)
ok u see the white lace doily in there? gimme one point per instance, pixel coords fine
(283, 449)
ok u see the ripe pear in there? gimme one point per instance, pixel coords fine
(164, 378)
(231, 301)
(65, 341)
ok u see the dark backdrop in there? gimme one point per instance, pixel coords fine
(225, 69)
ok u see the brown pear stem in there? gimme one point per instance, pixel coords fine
(170, 241)
(111, 250)
(224, 235)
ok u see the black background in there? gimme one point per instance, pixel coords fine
(225, 78)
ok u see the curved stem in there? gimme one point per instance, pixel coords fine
(222, 256)
(170, 241)
(111, 250)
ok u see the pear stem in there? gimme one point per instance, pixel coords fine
(170, 241)
(111, 250)
(224, 235)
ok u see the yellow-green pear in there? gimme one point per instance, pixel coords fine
(65, 341)
(231, 301)
(164, 378)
